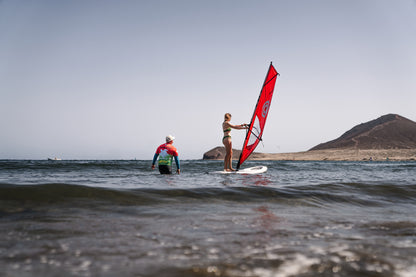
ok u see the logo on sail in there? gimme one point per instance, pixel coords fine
(265, 109)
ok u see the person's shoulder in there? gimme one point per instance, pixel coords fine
(163, 145)
(170, 146)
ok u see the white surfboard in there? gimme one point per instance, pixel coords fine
(250, 170)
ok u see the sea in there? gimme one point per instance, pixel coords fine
(120, 218)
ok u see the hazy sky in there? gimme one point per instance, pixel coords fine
(110, 79)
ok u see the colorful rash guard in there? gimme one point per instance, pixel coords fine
(166, 152)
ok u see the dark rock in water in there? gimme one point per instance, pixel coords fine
(218, 153)
(390, 131)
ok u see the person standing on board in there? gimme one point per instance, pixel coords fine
(166, 152)
(226, 140)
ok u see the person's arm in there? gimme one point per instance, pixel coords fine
(154, 160)
(178, 166)
(241, 126)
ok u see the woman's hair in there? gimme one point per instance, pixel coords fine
(227, 116)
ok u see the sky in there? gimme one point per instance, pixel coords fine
(110, 79)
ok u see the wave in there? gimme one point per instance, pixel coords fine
(362, 194)
(69, 164)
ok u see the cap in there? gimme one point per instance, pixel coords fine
(169, 138)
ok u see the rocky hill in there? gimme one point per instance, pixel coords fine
(389, 137)
(389, 131)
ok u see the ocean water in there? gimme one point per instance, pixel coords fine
(120, 218)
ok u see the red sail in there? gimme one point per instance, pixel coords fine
(255, 130)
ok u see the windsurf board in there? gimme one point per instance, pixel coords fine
(249, 170)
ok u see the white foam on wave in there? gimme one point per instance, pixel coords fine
(298, 265)
(406, 272)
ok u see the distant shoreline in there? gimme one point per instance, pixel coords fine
(342, 155)
(346, 154)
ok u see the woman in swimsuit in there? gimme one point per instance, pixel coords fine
(226, 140)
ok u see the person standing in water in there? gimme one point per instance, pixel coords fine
(166, 152)
(226, 140)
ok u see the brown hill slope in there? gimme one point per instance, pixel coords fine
(389, 131)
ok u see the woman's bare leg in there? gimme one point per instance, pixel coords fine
(228, 154)
(225, 161)
(230, 163)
